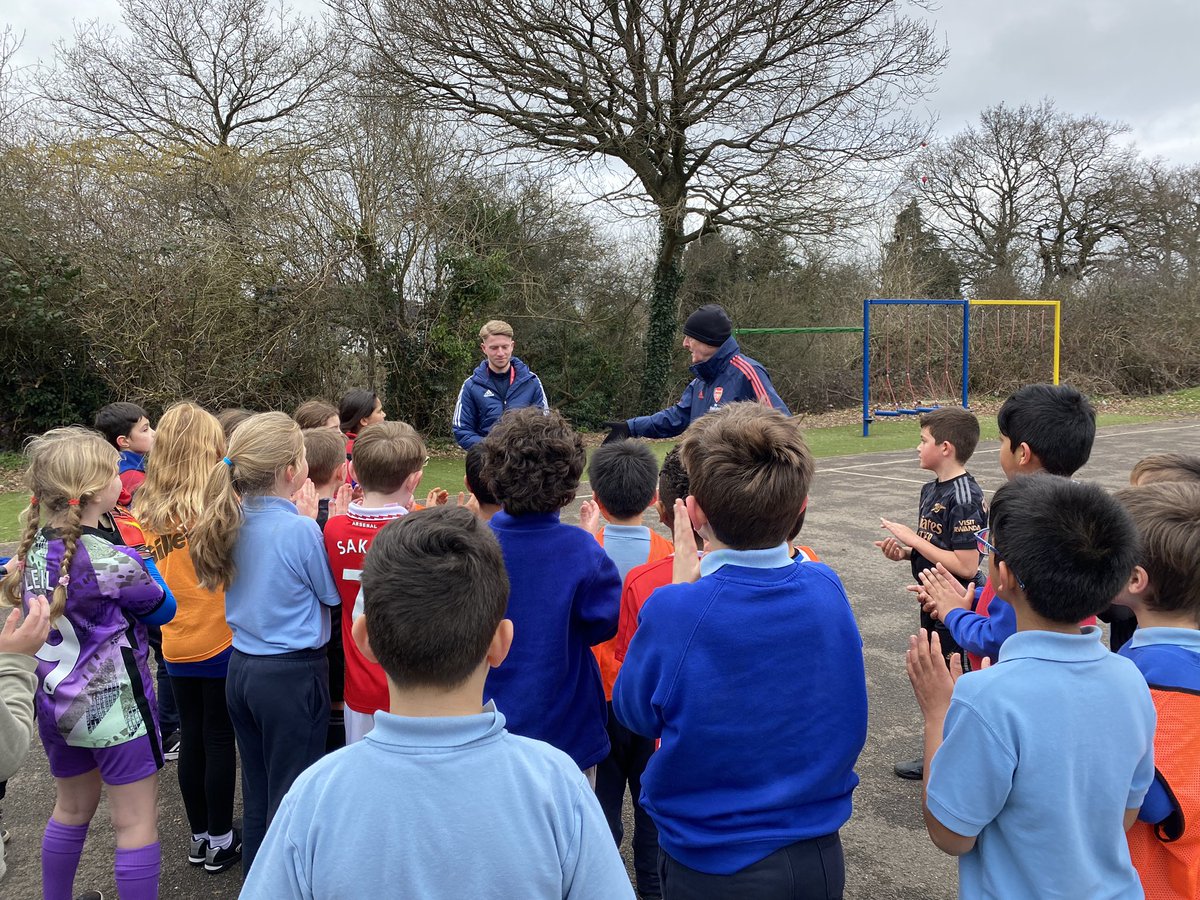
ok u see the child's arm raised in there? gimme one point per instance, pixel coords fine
(316, 568)
(981, 635)
(933, 684)
(598, 601)
(961, 563)
(134, 588)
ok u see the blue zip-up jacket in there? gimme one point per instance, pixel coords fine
(726, 377)
(479, 408)
(128, 461)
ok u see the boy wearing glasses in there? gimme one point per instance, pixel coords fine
(1027, 785)
(950, 513)
(1043, 428)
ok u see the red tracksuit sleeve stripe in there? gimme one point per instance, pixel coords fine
(752, 376)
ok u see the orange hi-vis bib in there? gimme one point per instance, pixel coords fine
(1167, 855)
(660, 548)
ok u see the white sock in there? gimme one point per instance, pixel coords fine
(224, 842)
(203, 836)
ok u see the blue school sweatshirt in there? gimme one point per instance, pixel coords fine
(753, 678)
(564, 597)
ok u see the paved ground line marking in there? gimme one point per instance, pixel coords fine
(869, 475)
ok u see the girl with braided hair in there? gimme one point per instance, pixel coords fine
(95, 701)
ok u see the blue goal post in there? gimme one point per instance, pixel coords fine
(964, 305)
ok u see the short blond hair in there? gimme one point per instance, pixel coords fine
(1167, 516)
(494, 327)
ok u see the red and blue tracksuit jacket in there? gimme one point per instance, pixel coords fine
(727, 377)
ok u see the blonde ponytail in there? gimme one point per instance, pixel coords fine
(70, 538)
(259, 450)
(215, 532)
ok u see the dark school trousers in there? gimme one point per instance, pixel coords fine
(814, 869)
(625, 764)
(207, 761)
(279, 706)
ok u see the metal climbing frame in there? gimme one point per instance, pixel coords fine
(965, 306)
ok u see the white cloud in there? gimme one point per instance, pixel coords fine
(1134, 63)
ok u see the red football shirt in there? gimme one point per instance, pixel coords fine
(346, 541)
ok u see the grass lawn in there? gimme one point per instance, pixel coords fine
(10, 507)
(839, 440)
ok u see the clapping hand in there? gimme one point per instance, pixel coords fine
(26, 635)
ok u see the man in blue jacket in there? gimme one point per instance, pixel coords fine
(499, 383)
(723, 375)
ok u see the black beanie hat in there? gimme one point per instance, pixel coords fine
(709, 324)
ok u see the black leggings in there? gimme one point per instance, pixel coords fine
(207, 760)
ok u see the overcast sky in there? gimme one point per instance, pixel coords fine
(1128, 61)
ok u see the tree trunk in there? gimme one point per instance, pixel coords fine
(660, 335)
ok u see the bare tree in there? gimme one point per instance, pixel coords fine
(1031, 193)
(1165, 238)
(11, 101)
(742, 113)
(1086, 174)
(984, 185)
(196, 74)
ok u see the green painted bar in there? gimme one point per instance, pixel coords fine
(823, 330)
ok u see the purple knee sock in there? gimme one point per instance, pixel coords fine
(62, 846)
(137, 871)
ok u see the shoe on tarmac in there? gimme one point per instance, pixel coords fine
(913, 770)
(221, 858)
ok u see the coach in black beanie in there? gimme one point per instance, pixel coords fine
(710, 324)
(723, 375)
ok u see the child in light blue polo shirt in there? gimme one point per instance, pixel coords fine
(439, 801)
(1040, 762)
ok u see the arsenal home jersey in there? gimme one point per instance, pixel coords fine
(346, 541)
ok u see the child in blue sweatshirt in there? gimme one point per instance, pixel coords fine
(565, 592)
(749, 669)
